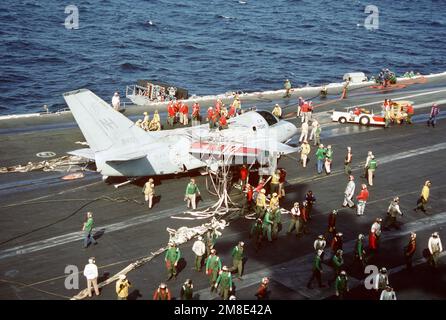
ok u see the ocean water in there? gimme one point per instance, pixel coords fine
(206, 46)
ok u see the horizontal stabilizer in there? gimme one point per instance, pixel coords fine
(121, 157)
(86, 153)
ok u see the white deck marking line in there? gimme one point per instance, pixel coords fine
(295, 273)
(403, 98)
(78, 236)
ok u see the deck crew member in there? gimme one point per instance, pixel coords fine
(224, 111)
(275, 180)
(381, 280)
(305, 151)
(267, 225)
(116, 101)
(435, 248)
(304, 216)
(341, 285)
(213, 267)
(88, 230)
(138, 123)
(287, 86)
(410, 249)
(348, 161)
(211, 240)
(337, 242)
(424, 197)
(199, 248)
(359, 256)
(392, 212)
(331, 229)
(244, 172)
(171, 112)
(371, 169)
(310, 199)
(149, 192)
(282, 182)
(223, 122)
(91, 273)
(211, 116)
(314, 125)
(300, 103)
(162, 293)
(277, 111)
(274, 202)
(349, 192)
(224, 280)
(319, 243)
(191, 194)
(304, 110)
(184, 114)
(218, 105)
(295, 219)
(317, 270)
(154, 125)
(261, 204)
(262, 291)
(409, 114)
(328, 159)
(435, 111)
(324, 92)
(338, 263)
(247, 204)
(122, 287)
(171, 258)
(317, 135)
(320, 156)
(156, 116)
(146, 121)
(196, 114)
(276, 216)
(366, 165)
(187, 290)
(375, 233)
(237, 104)
(388, 294)
(257, 233)
(304, 132)
(237, 258)
(362, 200)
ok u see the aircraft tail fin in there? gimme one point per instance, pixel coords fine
(101, 125)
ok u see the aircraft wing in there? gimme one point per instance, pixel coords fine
(252, 148)
(272, 146)
(236, 149)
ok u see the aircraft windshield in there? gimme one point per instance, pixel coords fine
(269, 118)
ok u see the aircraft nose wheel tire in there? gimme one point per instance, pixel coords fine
(364, 121)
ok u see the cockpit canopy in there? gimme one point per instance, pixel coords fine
(269, 117)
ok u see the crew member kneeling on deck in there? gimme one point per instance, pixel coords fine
(223, 122)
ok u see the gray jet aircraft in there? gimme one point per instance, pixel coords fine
(120, 148)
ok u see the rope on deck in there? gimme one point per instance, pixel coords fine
(65, 163)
